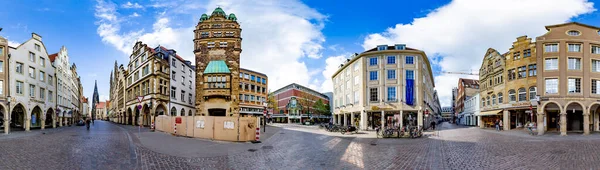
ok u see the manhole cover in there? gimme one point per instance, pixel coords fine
(267, 147)
(251, 150)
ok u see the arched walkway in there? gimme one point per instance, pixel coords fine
(136, 118)
(574, 117)
(160, 110)
(18, 117)
(36, 117)
(49, 118)
(3, 115)
(594, 111)
(129, 117)
(146, 115)
(552, 112)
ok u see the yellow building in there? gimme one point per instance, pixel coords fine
(217, 47)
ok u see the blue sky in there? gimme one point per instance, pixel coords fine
(305, 39)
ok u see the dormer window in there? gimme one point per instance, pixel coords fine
(222, 44)
(400, 47)
(211, 44)
(217, 34)
(381, 47)
(573, 33)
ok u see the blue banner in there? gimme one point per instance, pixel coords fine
(409, 91)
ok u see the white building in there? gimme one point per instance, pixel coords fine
(387, 85)
(32, 85)
(65, 85)
(469, 115)
(182, 83)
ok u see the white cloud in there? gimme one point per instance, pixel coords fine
(463, 30)
(131, 5)
(332, 65)
(135, 14)
(274, 42)
(13, 43)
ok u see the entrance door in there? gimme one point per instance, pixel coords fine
(575, 121)
(217, 112)
(553, 118)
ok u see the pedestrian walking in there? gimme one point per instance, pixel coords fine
(500, 123)
(87, 123)
(432, 125)
(497, 125)
(530, 127)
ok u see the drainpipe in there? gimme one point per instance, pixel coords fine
(7, 126)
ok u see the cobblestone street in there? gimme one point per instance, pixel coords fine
(112, 146)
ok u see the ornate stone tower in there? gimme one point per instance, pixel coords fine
(217, 47)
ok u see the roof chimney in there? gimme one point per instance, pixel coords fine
(36, 36)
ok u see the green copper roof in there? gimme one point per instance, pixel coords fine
(218, 11)
(232, 17)
(203, 17)
(216, 66)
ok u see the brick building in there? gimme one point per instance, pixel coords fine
(295, 104)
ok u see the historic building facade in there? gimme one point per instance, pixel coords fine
(117, 93)
(386, 85)
(296, 104)
(4, 100)
(32, 75)
(182, 84)
(147, 85)
(65, 85)
(217, 48)
(100, 111)
(568, 74)
(492, 86)
(471, 109)
(466, 89)
(253, 92)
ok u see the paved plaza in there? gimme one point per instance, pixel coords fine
(112, 146)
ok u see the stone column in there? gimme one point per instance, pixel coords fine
(506, 120)
(586, 123)
(563, 123)
(60, 121)
(540, 123)
(345, 120)
(401, 118)
(334, 118)
(43, 119)
(480, 122)
(420, 118)
(6, 124)
(363, 120)
(27, 123)
(53, 122)
(352, 119)
(382, 119)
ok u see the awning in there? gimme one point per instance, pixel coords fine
(490, 113)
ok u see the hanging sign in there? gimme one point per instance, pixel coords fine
(409, 91)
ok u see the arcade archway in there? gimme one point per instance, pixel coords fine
(18, 117)
(49, 117)
(36, 117)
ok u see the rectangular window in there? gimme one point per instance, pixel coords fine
(595, 84)
(391, 74)
(373, 94)
(137, 63)
(252, 78)
(173, 63)
(190, 98)
(551, 64)
(551, 86)
(31, 90)
(574, 47)
(246, 76)
(410, 60)
(549, 48)
(32, 72)
(373, 61)
(32, 57)
(391, 94)
(574, 63)
(595, 65)
(50, 94)
(182, 96)
(146, 70)
(173, 92)
(355, 66)
(526, 53)
(19, 68)
(42, 76)
(356, 97)
(42, 93)
(1, 87)
(1, 65)
(173, 75)
(356, 80)
(347, 72)
(522, 72)
(410, 75)
(43, 62)
(391, 59)
(372, 75)
(595, 49)
(348, 84)
(381, 47)
(516, 55)
(19, 87)
(37, 47)
(532, 70)
(574, 85)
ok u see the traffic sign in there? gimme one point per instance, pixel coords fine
(140, 98)
(139, 107)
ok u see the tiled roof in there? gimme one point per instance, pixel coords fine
(52, 57)
(216, 66)
(176, 55)
(101, 105)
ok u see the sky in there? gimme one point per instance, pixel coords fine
(292, 41)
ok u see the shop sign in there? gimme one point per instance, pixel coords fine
(521, 104)
(178, 120)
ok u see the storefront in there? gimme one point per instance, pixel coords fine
(489, 118)
(520, 118)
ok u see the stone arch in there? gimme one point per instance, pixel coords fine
(160, 110)
(18, 113)
(552, 102)
(173, 111)
(3, 114)
(49, 117)
(182, 112)
(36, 117)
(190, 113)
(146, 115)
(575, 111)
(129, 117)
(594, 110)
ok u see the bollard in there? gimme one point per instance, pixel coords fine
(152, 128)
(257, 134)
(175, 129)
